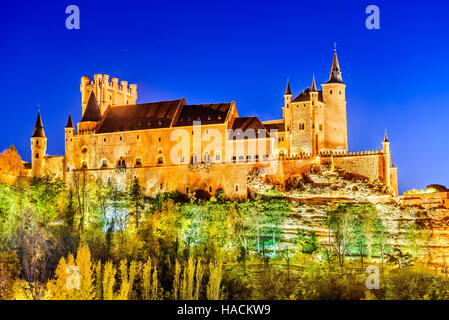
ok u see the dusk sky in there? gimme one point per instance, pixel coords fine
(206, 51)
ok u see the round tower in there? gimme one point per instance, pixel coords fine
(387, 160)
(334, 96)
(38, 148)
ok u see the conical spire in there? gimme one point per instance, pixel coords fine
(313, 84)
(38, 127)
(386, 136)
(287, 90)
(335, 71)
(69, 122)
(92, 112)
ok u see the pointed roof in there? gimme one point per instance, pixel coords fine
(92, 112)
(287, 90)
(69, 122)
(38, 127)
(386, 136)
(313, 88)
(335, 76)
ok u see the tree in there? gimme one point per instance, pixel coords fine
(214, 291)
(339, 221)
(306, 241)
(136, 201)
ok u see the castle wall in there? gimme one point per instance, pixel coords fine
(54, 166)
(232, 178)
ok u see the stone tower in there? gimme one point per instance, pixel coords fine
(387, 160)
(38, 148)
(108, 93)
(334, 96)
(287, 111)
(69, 131)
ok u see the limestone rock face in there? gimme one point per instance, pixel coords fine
(313, 193)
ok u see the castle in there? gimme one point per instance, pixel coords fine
(173, 146)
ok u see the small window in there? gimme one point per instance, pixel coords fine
(210, 189)
(340, 91)
(104, 139)
(121, 138)
(241, 158)
(288, 128)
(256, 158)
(265, 157)
(84, 165)
(162, 186)
(138, 137)
(234, 159)
(187, 190)
(68, 169)
(236, 188)
(330, 92)
(248, 158)
(160, 160)
(181, 159)
(104, 164)
(206, 158)
(37, 142)
(37, 156)
(217, 156)
(194, 158)
(313, 125)
(160, 139)
(138, 162)
(84, 150)
(321, 127)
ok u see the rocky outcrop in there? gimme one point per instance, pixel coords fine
(313, 193)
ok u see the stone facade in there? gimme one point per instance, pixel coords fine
(174, 146)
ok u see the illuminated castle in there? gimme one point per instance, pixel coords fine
(174, 146)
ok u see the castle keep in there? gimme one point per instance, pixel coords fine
(175, 146)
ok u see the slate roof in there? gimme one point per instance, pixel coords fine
(215, 113)
(38, 131)
(92, 112)
(241, 125)
(305, 96)
(69, 122)
(139, 116)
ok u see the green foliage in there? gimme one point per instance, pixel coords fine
(306, 241)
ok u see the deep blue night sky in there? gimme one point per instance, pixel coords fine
(397, 77)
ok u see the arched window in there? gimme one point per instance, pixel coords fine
(256, 158)
(160, 160)
(194, 158)
(84, 165)
(241, 158)
(206, 157)
(248, 158)
(104, 164)
(138, 162)
(37, 155)
(217, 156)
(121, 163)
(330, 92)
(236, 188)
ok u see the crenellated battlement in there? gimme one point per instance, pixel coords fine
(324, 154)
(108, 92)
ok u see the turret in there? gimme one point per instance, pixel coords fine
(387, 160)
(38, 148)
(91, 115)
(334, 96)
(287, 95)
